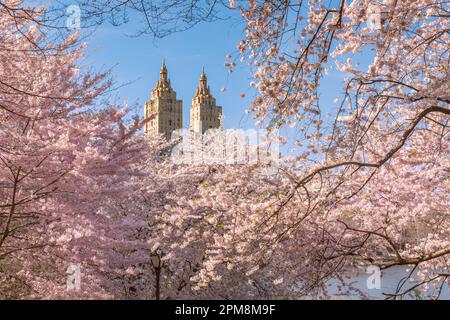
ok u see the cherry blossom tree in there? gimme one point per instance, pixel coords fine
(59, 154)
(383, 149)
(366, 184)
(169, 214)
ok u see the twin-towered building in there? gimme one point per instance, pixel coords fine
(168, 111)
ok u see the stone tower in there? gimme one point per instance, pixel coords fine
(164, 104)
(204, 113)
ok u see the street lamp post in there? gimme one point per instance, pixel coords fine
(156, 263)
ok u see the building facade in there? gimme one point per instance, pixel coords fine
(164, 105)
(168, 111)
(204, 113)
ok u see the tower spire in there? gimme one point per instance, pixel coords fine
(164, 107)
(203, 88)
(163, 69)
(204, 113)
(163, 83)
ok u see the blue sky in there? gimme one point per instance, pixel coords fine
(135, 62)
